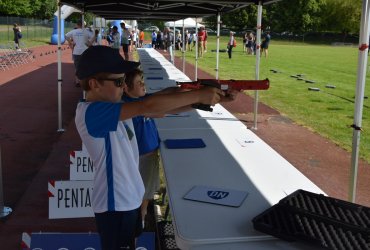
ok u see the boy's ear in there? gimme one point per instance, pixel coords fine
(94, 84)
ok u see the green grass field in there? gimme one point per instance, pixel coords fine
(328, 112)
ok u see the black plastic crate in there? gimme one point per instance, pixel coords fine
(310, 217)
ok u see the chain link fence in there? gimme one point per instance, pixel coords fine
(33, 30)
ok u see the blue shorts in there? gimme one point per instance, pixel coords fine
(118, 229)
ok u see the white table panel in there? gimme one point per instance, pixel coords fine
(200, 119)
(234, 158)
(225, 163)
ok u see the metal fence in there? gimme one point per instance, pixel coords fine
(32, 29)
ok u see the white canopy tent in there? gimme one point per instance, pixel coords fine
(186, 23)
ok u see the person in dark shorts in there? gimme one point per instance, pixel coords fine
(125, 41)
(265, 43)
(17, 35)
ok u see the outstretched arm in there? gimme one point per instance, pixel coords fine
(161, 104)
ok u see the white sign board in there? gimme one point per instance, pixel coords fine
(70, 199)
(81, 166)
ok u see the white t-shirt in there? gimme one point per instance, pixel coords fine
(81, 38)
(112, 146)
(125, 36)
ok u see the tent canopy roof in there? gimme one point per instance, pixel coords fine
(159, 9)
(188, 23)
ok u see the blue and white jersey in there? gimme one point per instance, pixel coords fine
(112, 146)
(145, 130)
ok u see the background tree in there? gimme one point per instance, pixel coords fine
(40, 9)
(237, 20)
(16, 8)
(46, 9)
(342, 16)
(296, 16)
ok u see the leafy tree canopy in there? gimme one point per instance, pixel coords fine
(294, 16)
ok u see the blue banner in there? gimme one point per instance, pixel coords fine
(81, 241)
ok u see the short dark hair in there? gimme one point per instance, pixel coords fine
(130, 76)
(85, 82)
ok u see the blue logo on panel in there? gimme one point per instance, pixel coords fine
(83, 241)
(217, 195)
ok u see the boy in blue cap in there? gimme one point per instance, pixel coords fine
(105, 127)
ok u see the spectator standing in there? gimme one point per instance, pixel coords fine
(125, 41)
(134, 36)
(186, 38)
(200, 36)
(130, 43)
(141, 39)
(97, 39)
(205, 40)
(265, 43)
(250, 44)
(109, 36)
(159, 40)
(195, 37)
(178, 40)
(164, 39)
(245, 42)
(105, 127)
(168, 42)
(190, 41)
(116, 38)
(231, 44)
(154, 39)
(79, 40)
(17, 35)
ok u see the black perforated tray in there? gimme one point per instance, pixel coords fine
(166, 236)
(319, 220)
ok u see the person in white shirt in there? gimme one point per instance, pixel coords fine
(79, 40)
(231, 44)
(134, 39)
(97, 40)
(125, 41)
(116, 37)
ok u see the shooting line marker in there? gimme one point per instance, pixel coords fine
(313, 89)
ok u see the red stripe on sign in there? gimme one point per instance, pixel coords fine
(52, 183)
(73, 154)
(24, 246)
(26, 241)
(50, 194)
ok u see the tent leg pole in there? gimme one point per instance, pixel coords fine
(218, 44)
(195, 36)
(183, 46)
(4, 211)
(60, 120)
(359, 100)
(258, 57)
